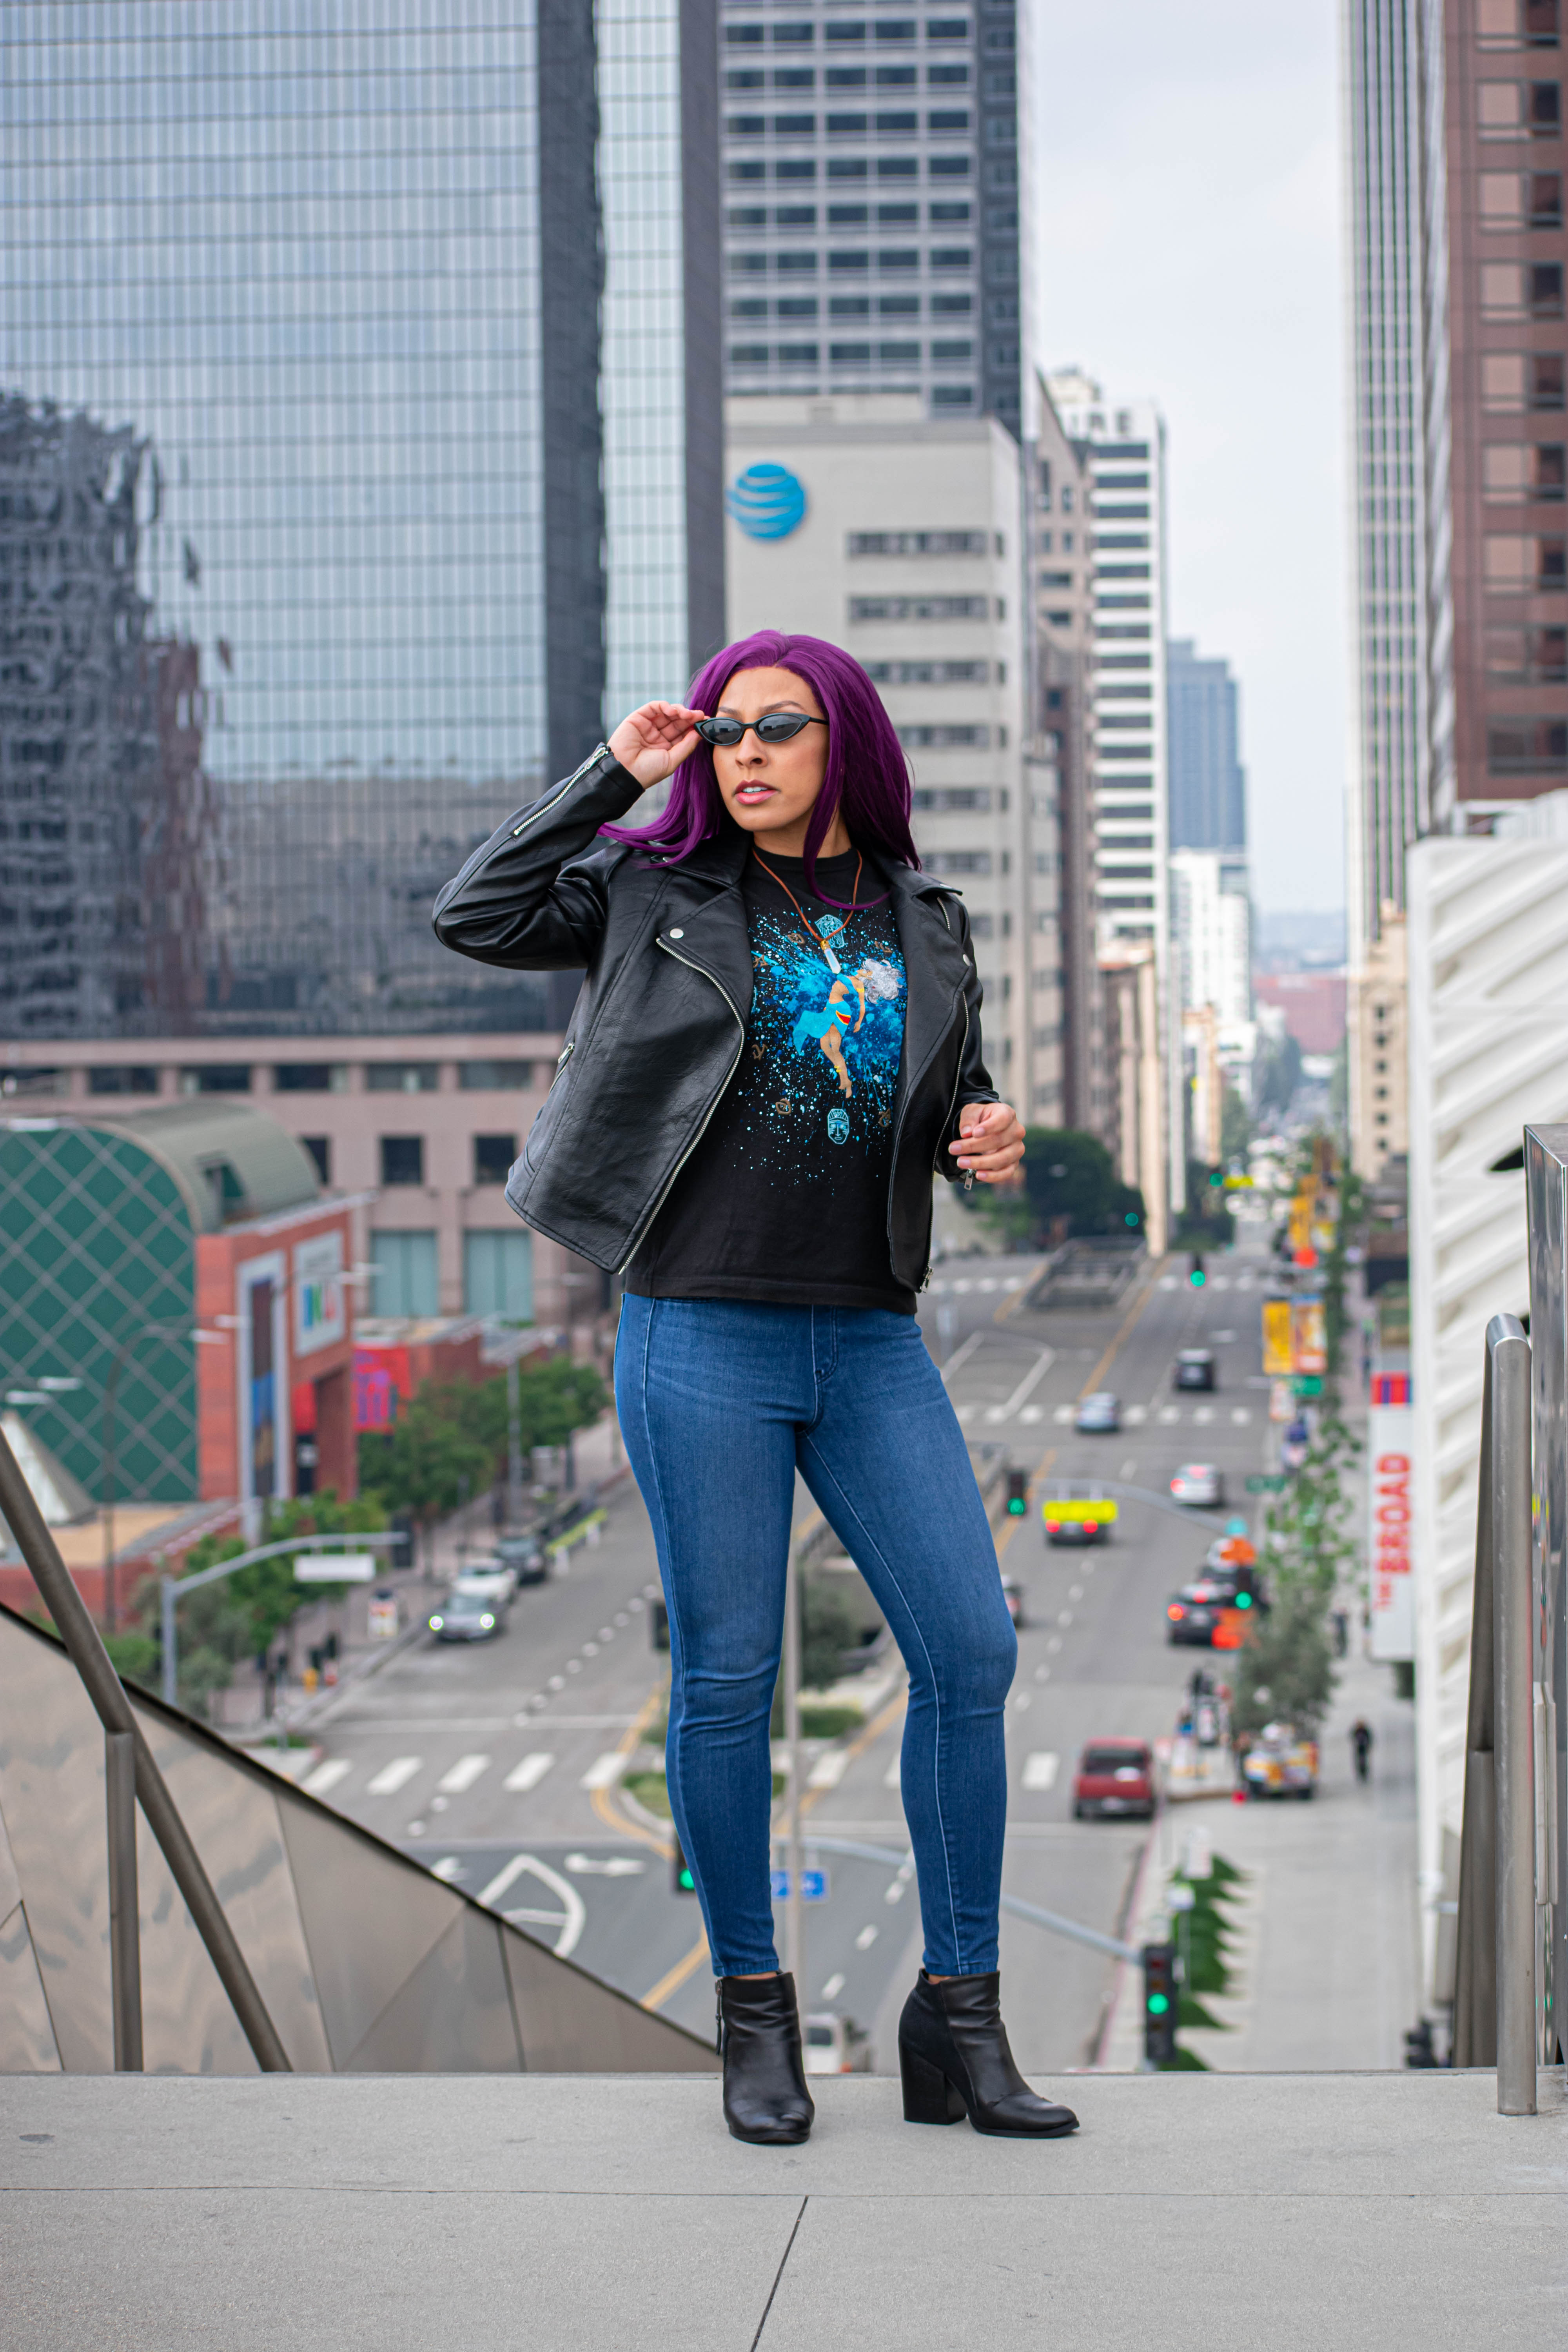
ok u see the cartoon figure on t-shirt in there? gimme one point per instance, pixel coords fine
(844, 1015)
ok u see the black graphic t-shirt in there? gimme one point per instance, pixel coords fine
(785, 1198)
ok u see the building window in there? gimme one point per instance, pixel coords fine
(1523, 566)
(952, 396)
(217, 1078)
(1513, 471)
(946, 799)
(319, 1148)
(850, 354)
(1512, 381)
(952, 257)
(1526, 747)
(493, 1156)
(918, 608)
(1517, 25)
(958, 861)
(402, 1160)
(402, 1077)
(309, 1078)
(498, 1276)
(847, 215)
(405, 1278)
(917, 542)
(840, 264)
(948, 119)
(494, 1077)
(124, 1078)
(1527, 656)
(34, 1083)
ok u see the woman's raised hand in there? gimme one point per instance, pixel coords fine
(652, 743)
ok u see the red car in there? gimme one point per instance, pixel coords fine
(1114, 1776)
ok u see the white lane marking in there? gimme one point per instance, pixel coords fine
(866, 1938)
(571, 1918)
(1135, 1415)
(448, 1867)
(1204, 1413)
(901, 1878)
(326, 1776)
(1127, 1469)
(829, 1769)
(393, 1777)
(1041, 1770)
(527, 1775)
(964, 1412)
(986, 1284)
(1169, 1412)
(962, 1354)
(463, 1774)
(1028, 1384)
(893, 1776)
(1169, 1282)
(962, 1288)
(1053, 1643)
(1075, 1592)
(1014, 1282)
(835, 1985)
(1220, 1281)
(1065, 1617)
(1033, 1412)
(1240, 1415)
(611, 1866)
(605, 1771)
(1063, 1415)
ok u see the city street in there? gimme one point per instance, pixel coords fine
(499, 1763)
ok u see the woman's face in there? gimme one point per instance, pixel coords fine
(768, 787)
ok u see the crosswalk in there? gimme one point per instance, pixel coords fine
(391, 1777)
(1134, 1416)
(1214, 1282)
(1041, 1770)
(963, 1285)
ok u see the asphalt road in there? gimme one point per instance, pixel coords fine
(499, 1763)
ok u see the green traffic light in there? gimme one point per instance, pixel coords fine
(1015, 1507)
(688, 1883)
(1197, 1277)
(1157, 2004)
(1244, 1600)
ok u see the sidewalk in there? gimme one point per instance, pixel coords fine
(1328, 1946)
(1368, 2213)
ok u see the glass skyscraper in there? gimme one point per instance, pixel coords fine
(1207, 780)
(360, 448)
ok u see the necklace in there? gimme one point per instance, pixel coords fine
(827, 927)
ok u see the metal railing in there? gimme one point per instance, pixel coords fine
(1495, 2017)
(132, 1777)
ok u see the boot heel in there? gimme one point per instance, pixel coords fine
(929, 2096)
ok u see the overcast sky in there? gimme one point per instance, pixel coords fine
(1188, 212)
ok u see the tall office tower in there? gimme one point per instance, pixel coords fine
(1387, 795)
(876, 215)
(376, 355)
(1207, 782)
(897, 536)
(1125, 449)
(1061, 600)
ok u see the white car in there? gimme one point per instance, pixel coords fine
(489, 1580)
(836, 2045)
(1198, 1484)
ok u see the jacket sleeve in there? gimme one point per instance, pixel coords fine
(533, 897)
(973, 1078)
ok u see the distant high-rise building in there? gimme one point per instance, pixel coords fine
(876, 215)
(1208, 783)
(1125, 454)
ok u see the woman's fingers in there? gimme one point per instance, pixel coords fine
(991, 1143)
(652, 742)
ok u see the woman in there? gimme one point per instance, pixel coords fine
(776, 1042)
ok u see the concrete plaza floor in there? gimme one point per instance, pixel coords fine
(599, 2214)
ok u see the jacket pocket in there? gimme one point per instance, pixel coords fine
(551, 1112)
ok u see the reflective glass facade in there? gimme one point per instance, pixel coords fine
(317, 553)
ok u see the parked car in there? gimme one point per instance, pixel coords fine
(493, 1579)
(1097, 1415)
(525, 1555)
(1012, 1594)
(1199, 1484)
(469, 1617)
(1114, 1776)
(1194, 1613)
(1280, 1763)
(1194, 1369)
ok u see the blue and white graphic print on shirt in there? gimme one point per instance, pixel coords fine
(824, 1044)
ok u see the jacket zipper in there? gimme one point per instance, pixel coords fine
(898, 1131)
(708, 1115)
(577, 774)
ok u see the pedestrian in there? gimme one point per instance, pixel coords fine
(1361, 1743)
(777, 1041)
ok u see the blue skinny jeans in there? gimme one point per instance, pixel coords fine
(720, 1401)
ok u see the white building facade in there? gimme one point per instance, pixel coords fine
(905, 549)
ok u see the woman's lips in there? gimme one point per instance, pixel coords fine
(755, 792)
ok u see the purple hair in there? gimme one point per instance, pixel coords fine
(867, 776)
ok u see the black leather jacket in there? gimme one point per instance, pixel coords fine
(661, 1022)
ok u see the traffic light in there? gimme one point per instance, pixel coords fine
(1018, 1494)
(680, 1879)
(1159, 2004)
(1197, 1277)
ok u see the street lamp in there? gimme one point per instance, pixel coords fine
(169, 1333)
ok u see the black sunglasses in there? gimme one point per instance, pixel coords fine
(777, 727)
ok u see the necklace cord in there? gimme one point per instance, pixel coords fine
(854, 907)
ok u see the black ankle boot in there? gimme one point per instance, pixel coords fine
(955, 2061)
(765, 2097)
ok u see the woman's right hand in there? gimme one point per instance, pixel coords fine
(652, 743)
